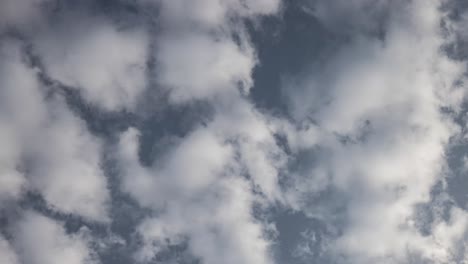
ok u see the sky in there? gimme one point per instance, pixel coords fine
(233, 131)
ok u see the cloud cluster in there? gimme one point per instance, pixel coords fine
(214, 174)
(360, 148)
(46, 150)
(205, 186)
(205, 42)
(45, 147)
(41, 240)
(105, 64)
(203, 189)
(382, 99)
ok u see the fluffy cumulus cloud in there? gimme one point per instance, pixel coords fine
(46, 148)
(382, 98)
(204, 42)
(133, 132)
(204, 188)
(105, 64)
(42, 240)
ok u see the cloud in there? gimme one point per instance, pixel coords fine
(46, 148)
(21, 14)
(106, 64)
(221, 229)
(215, 174)
(41, 240)
(360, 16)
(214, 13)
(359, 151)
(7, 255)
(14, 74)
(381, 99)
(204, 45)
(200, 191)
(186, 170)
(69, 174)
(209, 66)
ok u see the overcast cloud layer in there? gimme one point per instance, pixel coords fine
(233, 131)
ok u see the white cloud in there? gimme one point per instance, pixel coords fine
(203, 187)
(68, 173)
(197, 55)
(200, 187)
(41, 240)
(255, 144)
(200, 190)
(383, 97)
(186, 170)
(107, 65)
(200, 197)
(45, 147)
(218, 224)
(209, 66)
(376, 144)
(17, 84)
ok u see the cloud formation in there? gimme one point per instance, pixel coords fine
(129, 132)
(105, 64)
(382, 99)
(46, 148)
(42, 240)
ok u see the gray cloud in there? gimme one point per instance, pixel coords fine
(7, 255)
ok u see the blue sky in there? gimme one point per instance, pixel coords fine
(233, 131)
